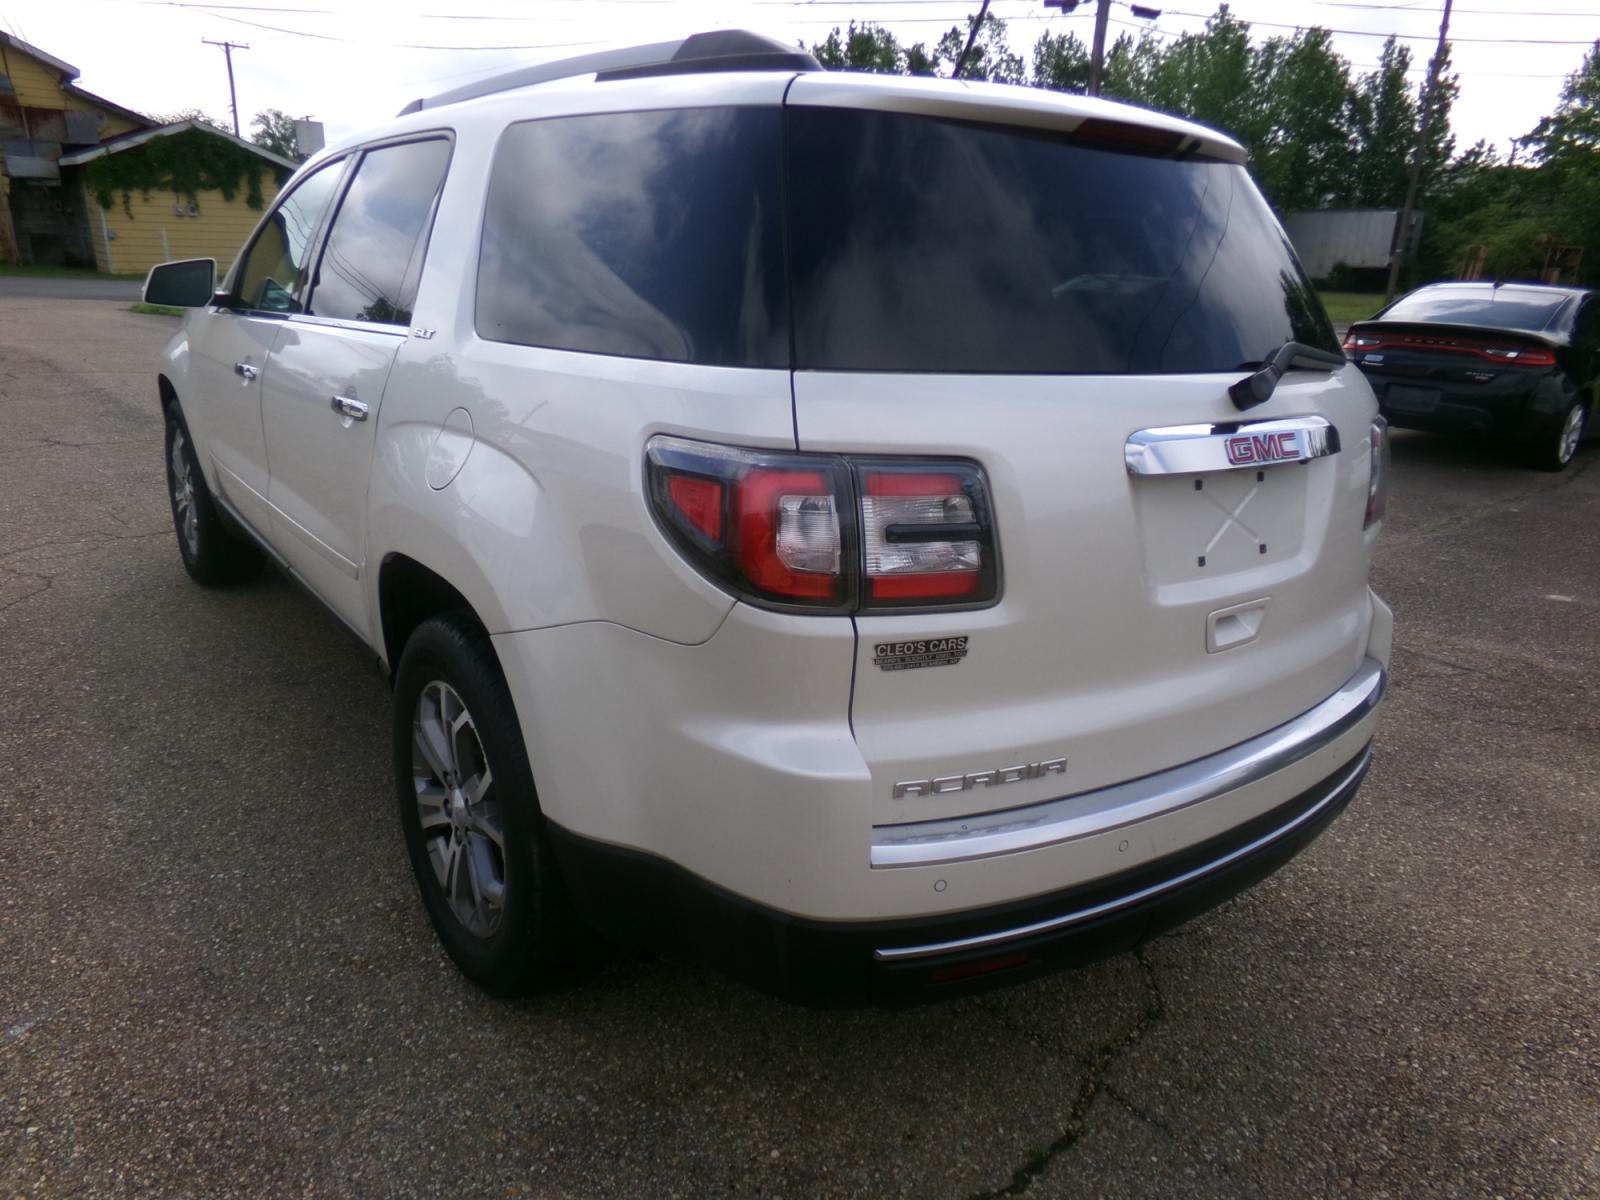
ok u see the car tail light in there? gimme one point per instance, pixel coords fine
(1378, 479)
(825, 532)
(1523, 356)
(922, 537)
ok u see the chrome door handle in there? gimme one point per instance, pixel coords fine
(349, 406)
(245, 371)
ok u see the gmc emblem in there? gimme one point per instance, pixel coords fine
(1263, 447)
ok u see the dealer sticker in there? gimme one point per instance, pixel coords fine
(924, 652)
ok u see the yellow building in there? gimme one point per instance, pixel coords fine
(51, 133)
(145, 225)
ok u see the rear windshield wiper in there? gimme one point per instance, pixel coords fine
(1257, 388)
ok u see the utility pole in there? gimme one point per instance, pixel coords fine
(1102, 14)
(972, 36)
(1402, 239)
(233, 99)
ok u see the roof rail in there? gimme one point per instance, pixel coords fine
(718, 50)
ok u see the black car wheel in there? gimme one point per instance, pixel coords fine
(470, 814)
(1553, 449)
(211, 554)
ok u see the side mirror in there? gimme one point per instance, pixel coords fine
(186, 284)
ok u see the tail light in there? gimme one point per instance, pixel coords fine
(1522, 356)
(827, 533)
(1378, 480)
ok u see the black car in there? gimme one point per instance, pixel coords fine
(1519, 362)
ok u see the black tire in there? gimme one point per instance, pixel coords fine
(1553, 448)
(211, 553)
(523, 941)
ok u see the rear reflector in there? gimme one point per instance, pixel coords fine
(1378, 478)
(973, 970)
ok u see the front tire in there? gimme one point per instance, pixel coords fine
(211, 554)
(1553, 449)
(470, 814)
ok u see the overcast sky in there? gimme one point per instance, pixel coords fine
(352, 63)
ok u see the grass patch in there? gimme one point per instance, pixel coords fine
(156, 310)
(61, 272)
(1345, 307)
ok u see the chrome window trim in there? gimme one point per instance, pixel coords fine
(980, 941)
(1193, 449)
(1087, 814)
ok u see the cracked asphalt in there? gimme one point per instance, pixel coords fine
(215, 978)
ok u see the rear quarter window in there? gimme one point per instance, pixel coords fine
(651, 235)
(925, 244)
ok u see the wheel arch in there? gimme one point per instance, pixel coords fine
(409, 593)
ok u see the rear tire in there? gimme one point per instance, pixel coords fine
(1554, 448)
(211, 554)
(473, 828)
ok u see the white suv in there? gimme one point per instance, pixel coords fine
(851, 527)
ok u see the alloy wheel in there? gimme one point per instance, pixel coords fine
(1571, 434)
(183, 505)
(458, 809)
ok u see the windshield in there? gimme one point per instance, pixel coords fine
(1494, 308)
(923, 244)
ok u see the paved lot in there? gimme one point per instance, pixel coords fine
(45, 287)
(215, 978)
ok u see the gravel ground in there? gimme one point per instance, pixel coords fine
(215, 978)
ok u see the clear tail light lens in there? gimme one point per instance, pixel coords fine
(922, 536)
(1378, 480)
(825, 532)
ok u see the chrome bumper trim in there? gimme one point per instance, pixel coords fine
(934, 843)
(1000, 937)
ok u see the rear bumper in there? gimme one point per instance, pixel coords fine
(638, 897)
(1512, 405)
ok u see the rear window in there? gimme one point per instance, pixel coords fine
(650, 235)
(923, 244)
(1501, 308)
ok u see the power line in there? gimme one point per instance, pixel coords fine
(1415, 37)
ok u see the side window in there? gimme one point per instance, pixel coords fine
(373, 255)
(649, 235)
(276, 268)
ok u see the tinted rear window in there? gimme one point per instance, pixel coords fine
(920, 244)
(651, 235)
(1504, 308)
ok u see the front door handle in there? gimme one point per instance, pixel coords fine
(349, 406)
(245, 371)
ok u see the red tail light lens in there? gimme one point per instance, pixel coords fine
(1522, 356)
(825, 532)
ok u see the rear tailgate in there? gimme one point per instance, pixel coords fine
(1030, 301)
(1098, 649)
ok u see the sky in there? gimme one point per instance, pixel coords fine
(353, 63)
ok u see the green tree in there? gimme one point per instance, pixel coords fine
(1304, 155)
(864, 47)
(1207, 77)
(1384, 117)
(992, 57)
(273, 129)
(1565, 146)
(1061, 63)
